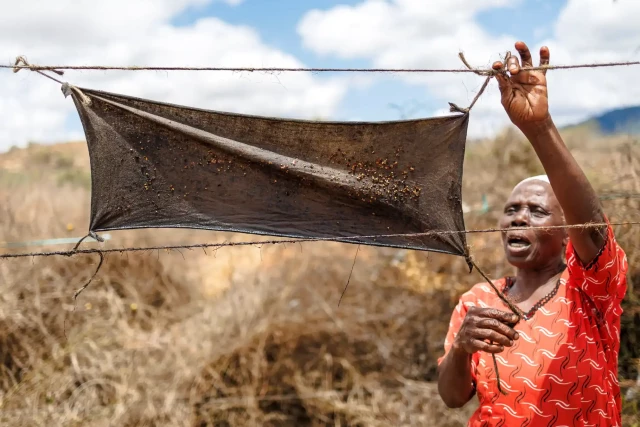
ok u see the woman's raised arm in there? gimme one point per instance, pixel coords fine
(525, 99)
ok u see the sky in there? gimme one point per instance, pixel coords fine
(310, 33)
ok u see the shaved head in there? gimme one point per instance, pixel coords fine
(533, 203)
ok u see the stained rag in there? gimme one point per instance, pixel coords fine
(159, 165)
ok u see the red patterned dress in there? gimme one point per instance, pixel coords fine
(563, 370)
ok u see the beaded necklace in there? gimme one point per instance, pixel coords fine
(545, 299)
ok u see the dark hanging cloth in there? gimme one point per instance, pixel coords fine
(157, 165)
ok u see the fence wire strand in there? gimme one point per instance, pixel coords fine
(346, 239)
(488, 71)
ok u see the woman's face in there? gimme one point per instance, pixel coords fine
(533, 204)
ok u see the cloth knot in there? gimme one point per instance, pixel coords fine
(455, 108)
(68, 89)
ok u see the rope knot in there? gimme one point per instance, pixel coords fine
(484, 73)
(454, 108)
(91, 234)
(21, 62)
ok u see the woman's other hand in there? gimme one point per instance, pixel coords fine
(486, 329)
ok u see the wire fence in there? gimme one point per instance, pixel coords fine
(21, 63)
(354, 239)
(488, 71)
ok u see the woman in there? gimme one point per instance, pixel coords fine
(558, 365)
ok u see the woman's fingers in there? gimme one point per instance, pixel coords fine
(486, 347)
(525, 55)
(513, 65)
(493, 336)
(486, 329)
(503, 80)
(544, 58)
(503, 316)
(498, 327)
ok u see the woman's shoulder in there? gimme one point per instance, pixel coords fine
(482, 295)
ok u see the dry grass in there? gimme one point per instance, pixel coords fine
(250, 336)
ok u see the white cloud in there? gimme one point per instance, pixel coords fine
(139, 33)
(387, 33)
(591, 28)
(408, 33)
(592, 31)
(540, 32)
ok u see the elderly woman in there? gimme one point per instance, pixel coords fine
(558, 365)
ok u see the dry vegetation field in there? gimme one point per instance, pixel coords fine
(254, 335)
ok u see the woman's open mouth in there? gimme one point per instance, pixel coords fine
(517, 243)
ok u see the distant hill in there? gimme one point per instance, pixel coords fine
(621, 120)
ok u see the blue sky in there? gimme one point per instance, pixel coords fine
(320, 33)
(276, 22)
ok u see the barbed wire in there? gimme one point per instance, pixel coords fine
(345, 239)
(488, 71)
